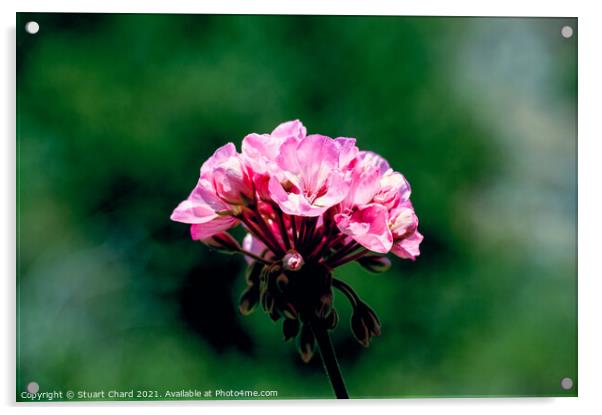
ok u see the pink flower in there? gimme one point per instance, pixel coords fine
(294, 129)
(310, 204)
(348, 151)
(393, 189)
(224, 182)
(205, 212)
(409, 247)
(309, 194)
(310, 179)
(368, 226)
(364, 221)
(228, 175)
(403, 223)
(365, 181)
(259, 151)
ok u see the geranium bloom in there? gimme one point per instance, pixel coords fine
(310, 203)
(309, 180)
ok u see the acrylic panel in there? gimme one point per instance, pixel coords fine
(292, 207)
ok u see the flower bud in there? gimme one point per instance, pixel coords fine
(375, 263)
(281, 282)
(331, 319)
(253, 273)
(290, 328)
(306, 343)
(223, 242)
(364, 324)
(372, 321)
(289, 311)
(324, 306)
(292, 261)
(267, 301)
(359, 329)
(249, 299)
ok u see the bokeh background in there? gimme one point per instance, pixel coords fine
(117, 112)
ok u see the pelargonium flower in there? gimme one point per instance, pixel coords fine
(309, 179)
(310, 203)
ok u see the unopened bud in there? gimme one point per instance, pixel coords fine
(267, 301)
(375, 263)
(306, 343)
(253, 273)
(359, 330)
(372, 321)
(281, 281)
(222, 241)
(331, 319)
(249, 299)
(324, 306)
(289, 311)
(290, 328)
(364, 324)
(292, 261)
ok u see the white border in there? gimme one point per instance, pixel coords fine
(590, 206)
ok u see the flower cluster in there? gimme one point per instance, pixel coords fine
(310, 203)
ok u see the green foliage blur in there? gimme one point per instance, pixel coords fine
(117, 112)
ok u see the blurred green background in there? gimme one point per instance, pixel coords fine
(117, 112)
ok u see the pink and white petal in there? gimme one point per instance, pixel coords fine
(337, 189)
(193, 211)
(292, 203)
(394, 188)
(288, 129)
(287, 159)
(317, 156)
(219, 156)
(408, 248)
(368, 226)
(260, 151)
(369, 158)
(205, 192)
(200, 231)
(347, 151)
(364, 186)
(403, 220)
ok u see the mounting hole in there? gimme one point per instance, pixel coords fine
(33, 387)
(566, 384)
(566, 32)
(32, 27)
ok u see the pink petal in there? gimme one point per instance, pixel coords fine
(231, 184)
(288, 129)
(292, 203)
(253, 245)
(191, 211)
(260, 151)
(337, 189)
(201, 206)
(219, 156)
(347, 151)
(403, 220)
(408, 248)
(393, 189)
(201, 231)
(317, 156)
(368, 158)
(288, 162)
(368, 226)
(365, 183)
